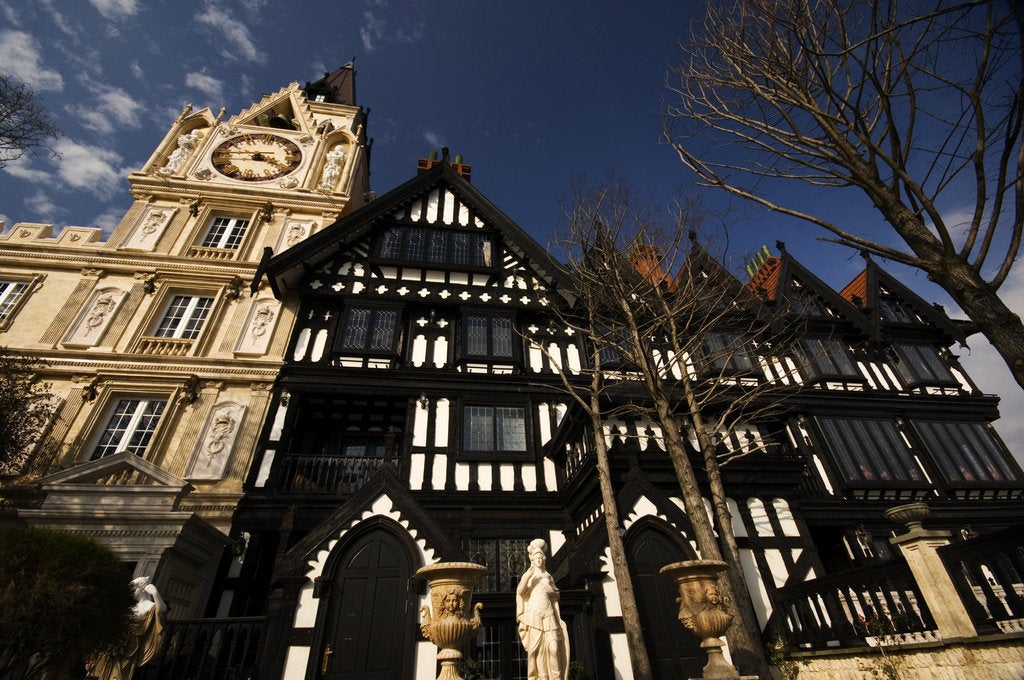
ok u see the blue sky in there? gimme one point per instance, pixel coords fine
(532, 93)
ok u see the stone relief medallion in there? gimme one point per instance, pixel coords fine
(149, 229)
(94, 318)
(216, 442)
(258, 329)
(294, 232)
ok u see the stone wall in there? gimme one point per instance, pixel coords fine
(998, 657)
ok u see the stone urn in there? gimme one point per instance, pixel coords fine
(911, 515)
(702, 610)
(449, 626)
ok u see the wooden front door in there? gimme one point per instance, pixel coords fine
(369, 623)
(674, 650)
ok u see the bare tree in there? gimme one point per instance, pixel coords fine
(695, 345)
(917, 104)
(587, 388)
(25, 124)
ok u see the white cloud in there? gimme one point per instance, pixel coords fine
(136, 70)
(113, 109)
(20, 56)
(371, 30)
(91, 168)
(243, 47)
(115, 9)
(43, 207)
(434, 139)
(208, 85)
(108, 220)
(23, 168)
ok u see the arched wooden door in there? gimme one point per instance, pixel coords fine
(369, 619)
(674, 650)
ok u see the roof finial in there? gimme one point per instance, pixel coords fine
(781, 246)
(444, 153)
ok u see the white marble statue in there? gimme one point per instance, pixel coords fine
(186, 143)
(541, 628)
(143, 640)
(332, 169)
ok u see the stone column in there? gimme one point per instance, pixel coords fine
(919, 547)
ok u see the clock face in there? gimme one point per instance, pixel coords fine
(256, 157)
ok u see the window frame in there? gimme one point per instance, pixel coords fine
(847, 452)
(899, 355)
(13, 308)
(515, 350)
(494, 453)
(811, 360)
(228, 235)
(415, 244)
(368, 347)
(940, 436)
(711, 365)
(181, 330)
(110, 413)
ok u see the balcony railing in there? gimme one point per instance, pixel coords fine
(327, 474)
(988, 574)
(208, 649)
(846, 609)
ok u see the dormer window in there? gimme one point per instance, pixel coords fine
(920, 364)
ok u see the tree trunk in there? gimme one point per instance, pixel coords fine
(751, 641)
(982, 304)
(639, 660)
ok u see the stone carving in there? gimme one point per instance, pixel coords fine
(541, 629)
(186, 145)
(702, 609)
(332, 169)
(144, 638)
(294, 232)
(104, 305)
(94, 318)
(148, 231)
(450, 626)
(258, 330)
(216, 442)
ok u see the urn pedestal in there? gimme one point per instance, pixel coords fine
(449, 625)
(702, 610)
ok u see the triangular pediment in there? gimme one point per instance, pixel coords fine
(438, 206)
(286, 109)
(889, 305)
(383, 496)
(789, 284)
(120, 469)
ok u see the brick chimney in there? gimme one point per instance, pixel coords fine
(646, 261)
(463, 169)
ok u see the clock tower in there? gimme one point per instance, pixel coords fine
(272, 175)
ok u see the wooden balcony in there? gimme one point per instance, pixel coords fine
(327, 474)
(988, 574)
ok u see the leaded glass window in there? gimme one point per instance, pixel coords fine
(440, 246)
(505, 559)
(965, 452)
(494, 428)
(369, 329)
(827, 358)
(488, 336)
(870, 450)
(919, 364)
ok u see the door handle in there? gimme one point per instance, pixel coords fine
(327, 657)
